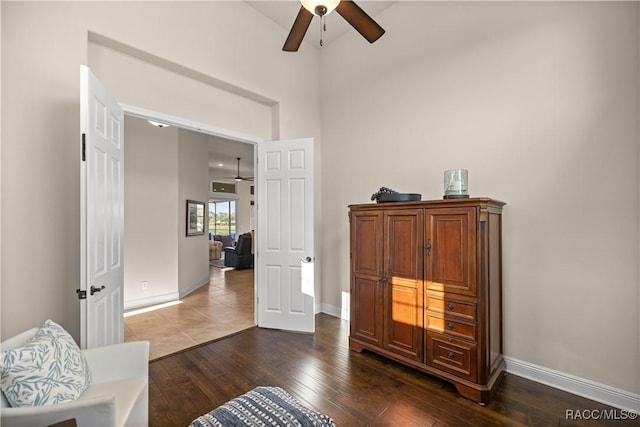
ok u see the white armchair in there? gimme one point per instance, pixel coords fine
(118, 394)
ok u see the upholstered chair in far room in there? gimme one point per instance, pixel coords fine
(215, 250)
(240, 256)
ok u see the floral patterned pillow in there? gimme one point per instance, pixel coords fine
(47, 370)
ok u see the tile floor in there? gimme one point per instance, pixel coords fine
(222, 308)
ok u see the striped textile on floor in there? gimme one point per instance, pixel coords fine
(262, 407)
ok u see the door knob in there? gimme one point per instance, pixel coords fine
(95, 289)
(307, 259)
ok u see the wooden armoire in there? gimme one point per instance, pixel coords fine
(426, 288)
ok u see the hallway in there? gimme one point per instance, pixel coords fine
(222, 308)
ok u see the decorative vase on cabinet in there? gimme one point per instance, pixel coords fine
(426, 288)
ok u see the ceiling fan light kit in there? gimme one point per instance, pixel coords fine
(350, 11)
(158, 124)
(320, 7)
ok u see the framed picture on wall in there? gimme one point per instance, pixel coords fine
(195, 218)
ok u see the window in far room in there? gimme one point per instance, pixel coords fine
(222, 218)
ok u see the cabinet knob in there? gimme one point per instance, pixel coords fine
(450, 355)
(450, 326)
(450, 306)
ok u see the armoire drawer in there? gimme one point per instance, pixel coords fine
(451, 307)
(455, 356)
(449, 326)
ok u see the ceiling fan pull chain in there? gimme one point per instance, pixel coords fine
(323, 27)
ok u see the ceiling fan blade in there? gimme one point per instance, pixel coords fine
(358, 18)
(298, 30)
(236, 178)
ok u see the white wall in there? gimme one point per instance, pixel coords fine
(147, 81)
(539, 101)
(151, 222)
(243, 207)
(193, 184)
(42, 46)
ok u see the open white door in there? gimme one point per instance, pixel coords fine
(102, 214)
(285, 241)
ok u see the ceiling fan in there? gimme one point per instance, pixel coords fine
(350, 11)
(238, 177)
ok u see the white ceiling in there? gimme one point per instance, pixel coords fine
(223, 151)
(284, 13)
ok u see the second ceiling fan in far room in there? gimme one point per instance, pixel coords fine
(350, 11)
(238, 177)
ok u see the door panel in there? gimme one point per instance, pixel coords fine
(451, 266)
(296, 296)
(272, 280)
(366, 308)
(285, 240)
(367, 297)
(403, 244)
(404, 287)
(366, 243)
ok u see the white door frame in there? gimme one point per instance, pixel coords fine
(130, 110)
(143, 113)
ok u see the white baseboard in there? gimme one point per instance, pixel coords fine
(160, 299)
(334, 311)
(186, 291)
(145, 302)
(580, 386)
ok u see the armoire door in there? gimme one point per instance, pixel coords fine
(403, 286)
(367, 296)
(450, 250)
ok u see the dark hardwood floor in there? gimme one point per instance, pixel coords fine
(355, 389)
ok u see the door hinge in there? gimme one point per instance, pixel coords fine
(81, 294)
(84, 147)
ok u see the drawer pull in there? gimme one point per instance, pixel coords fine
(450, 306)
(450, 355)
(450, 326)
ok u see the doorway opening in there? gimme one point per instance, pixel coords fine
(215, 301)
